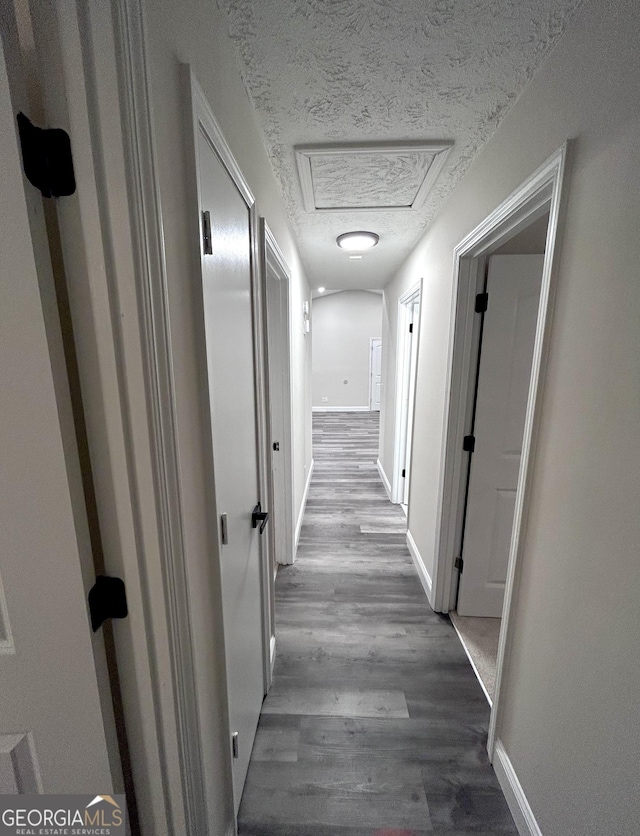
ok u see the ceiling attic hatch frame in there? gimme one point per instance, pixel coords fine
(369, 177)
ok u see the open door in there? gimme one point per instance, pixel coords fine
(504, 375)
(52, 734)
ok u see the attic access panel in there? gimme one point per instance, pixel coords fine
(369, 177)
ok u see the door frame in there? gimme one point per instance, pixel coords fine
(372, 340)
(405, 384)
(274, 266)
(203, 119)
(117, 299)
(541, 192)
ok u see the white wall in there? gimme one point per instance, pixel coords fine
(193, 31)
(570, 723)
(342, 328)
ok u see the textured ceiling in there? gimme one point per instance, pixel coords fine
(368, 71)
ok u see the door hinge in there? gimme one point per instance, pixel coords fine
(411, 327)
(235, 747)
(107, 599)
(459, 564)
(404, 473)
(482, 301)
(224, 530)
(46, 158)
(207, 246)
(276, 446)
(259, 516)
(469, 443)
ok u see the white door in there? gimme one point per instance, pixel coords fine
(376, 375)
(51, 728)
(503, 387)
(279, 416)
(410, 389)
(227, 294)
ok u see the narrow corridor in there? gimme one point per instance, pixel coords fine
(375, 724)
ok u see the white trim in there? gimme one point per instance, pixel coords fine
(272, 264)
(473, 664)
(514, 794)
(274, 260)
(341, 409)
(267, 592)
(213, 134)
(403, 381)
(425, 577)
(373, 340)
(205, 120)
(273, 253)
(152, 288)
(543, 189)
(385, 480)
(272, 658)
(305, 153)
(303, 504)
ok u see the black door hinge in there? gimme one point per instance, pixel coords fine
(276, 446)
(259, 516)
(411, 328)
(482, 301)
(459, 564)
(404, 473)
(107, 599)
(469, 443)
(47, 158)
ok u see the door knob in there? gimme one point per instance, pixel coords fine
(258, 515)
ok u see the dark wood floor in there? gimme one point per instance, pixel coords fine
(375, 724)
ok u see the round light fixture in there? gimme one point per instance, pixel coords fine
(321, 289)
(357, 241)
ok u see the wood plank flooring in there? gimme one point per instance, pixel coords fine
(375, 724)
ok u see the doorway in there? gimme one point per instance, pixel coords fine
(408, 330)
(375, 375)
(537, 197)
(508, 307)
(277, 364)
(226, 250)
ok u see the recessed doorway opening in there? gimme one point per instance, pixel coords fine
(503, 293)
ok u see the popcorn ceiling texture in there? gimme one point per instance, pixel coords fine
(383, 70)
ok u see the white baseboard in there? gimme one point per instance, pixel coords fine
(383, 476)
(424, 576)
(341, 409)
(513, 792)
(272, 652)
(303, 504)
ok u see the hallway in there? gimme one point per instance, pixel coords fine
(375, 724)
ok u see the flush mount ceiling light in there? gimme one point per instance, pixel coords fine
(357, 241)
(321, 289)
